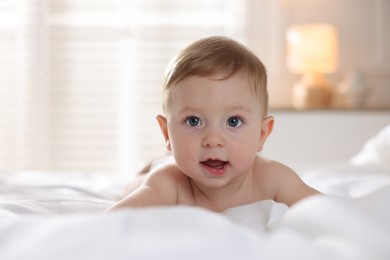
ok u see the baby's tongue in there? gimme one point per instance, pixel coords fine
(215, 164)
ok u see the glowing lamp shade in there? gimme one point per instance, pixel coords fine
(312, 48)
(312, 51)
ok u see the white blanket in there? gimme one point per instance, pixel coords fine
(321, 227)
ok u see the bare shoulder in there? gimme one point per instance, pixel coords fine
(159, 187)
(283, 183)
(167, 180)
(151, 167)
(169, 174)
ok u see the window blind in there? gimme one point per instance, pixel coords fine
(7, 83)
(81, 80)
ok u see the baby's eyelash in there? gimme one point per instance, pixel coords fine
(241, 118)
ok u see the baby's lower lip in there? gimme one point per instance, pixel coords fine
(215, 169)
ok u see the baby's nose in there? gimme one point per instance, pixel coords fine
(213, 138)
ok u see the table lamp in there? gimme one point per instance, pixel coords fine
(312, 51)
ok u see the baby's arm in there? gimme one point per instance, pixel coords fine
(159, 188)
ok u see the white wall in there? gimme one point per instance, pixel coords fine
(322, 136)
(364, 41)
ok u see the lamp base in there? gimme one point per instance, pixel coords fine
(312, 92)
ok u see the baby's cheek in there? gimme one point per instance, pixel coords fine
(185, 162)
(182, 153)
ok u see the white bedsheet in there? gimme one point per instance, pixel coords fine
(48, 216)
(321, 227)
(45, 193)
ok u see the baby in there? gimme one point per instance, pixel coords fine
(215, 123)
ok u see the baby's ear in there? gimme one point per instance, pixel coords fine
(162, 121)
(267, 126)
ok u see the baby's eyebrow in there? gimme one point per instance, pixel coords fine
(185, 110)
(240, 108)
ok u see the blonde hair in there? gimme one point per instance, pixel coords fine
(217, 54)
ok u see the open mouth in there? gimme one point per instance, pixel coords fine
(215, 167)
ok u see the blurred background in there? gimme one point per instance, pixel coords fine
(80, 80)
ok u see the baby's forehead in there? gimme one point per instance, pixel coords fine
(215, 76)
(200, 90)
(242, 80)
(217, 79)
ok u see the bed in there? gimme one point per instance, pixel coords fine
(60, 216)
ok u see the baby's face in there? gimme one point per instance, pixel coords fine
(214, 128)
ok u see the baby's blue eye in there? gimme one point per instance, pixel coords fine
(234, 121)
(193, 121)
